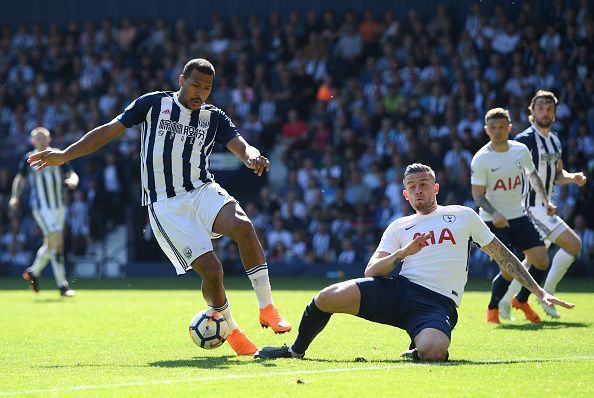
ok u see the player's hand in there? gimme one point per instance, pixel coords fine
(49, 157)
(580, 179)
(549, 299)
(499, 220)
(13, 204)
(551, 209)
(258, 164)
(416, 245)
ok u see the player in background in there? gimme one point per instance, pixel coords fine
(546, 150)
(186, 207)
(433, 246)
(47, 203)
(498, 171)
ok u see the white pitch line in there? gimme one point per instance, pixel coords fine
(292, 373)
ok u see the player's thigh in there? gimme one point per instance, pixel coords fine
(343, 297)
(569, 241)
(180, 234)
(217, 210)
(537, 256)
(230, 220)
(383, 300)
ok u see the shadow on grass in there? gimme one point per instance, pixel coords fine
(221, 362)
(544, 325)
(451, 362)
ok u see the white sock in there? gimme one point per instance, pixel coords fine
(58, 267)
(261, 284)
(514, 287)
(41, 259)
(561, 263)
(225, 310)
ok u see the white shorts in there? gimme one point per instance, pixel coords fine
(549, 227)
(183, 224)
(50, 220)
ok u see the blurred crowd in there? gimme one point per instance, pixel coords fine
(345, 101)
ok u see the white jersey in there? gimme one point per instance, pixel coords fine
(441, 266)
(502, 173)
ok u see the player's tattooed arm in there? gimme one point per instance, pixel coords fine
(479, 195)
(510, 264)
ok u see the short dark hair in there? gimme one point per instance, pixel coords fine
(418, 168)
(541, 94)
(199, 64)
(497, 113)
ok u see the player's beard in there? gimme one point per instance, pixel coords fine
(541, 124)
(424, 206)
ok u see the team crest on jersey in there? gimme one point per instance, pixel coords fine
(519, 164)
(187, 252)
(449, 218)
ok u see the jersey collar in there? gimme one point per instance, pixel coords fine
(176, 100)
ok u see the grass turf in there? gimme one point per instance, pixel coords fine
(129, 338)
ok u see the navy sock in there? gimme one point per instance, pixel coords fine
(498, 290)
(538, 276)
(312, 322)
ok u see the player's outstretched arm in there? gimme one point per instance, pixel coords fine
(249, 155)
(563, 177)
(18, 185)
(509, 263)
(539, 188)
(382, 263)
(89, 143)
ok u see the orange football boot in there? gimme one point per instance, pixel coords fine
(240, 343)
(493, 315)
(269, 316)
(528, 311)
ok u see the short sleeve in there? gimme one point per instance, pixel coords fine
(226, 130)
(527, 161)
(478, 173)
(136, 112)
(24, 167)
(479, 232)
(390, 242)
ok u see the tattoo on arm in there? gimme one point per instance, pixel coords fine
(538, 186)
(482, 201)
(509, 263)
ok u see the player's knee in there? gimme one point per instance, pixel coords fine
(541, 263)
(433, 352)
(242, 229)
(576, 246)
(325, 298)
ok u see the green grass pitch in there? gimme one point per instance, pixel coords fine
(129, 338)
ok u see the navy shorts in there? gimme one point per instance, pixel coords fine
(521, 234)
(406, 305)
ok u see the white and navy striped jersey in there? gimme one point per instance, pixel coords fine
(46, 186)
(175, 143)
(546, 151)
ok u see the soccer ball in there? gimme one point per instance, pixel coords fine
(209, 329)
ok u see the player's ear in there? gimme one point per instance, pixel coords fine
(436, 188)
(509, 128)
(181, 79)
(405, 194)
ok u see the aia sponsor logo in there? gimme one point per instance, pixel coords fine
(444, 235)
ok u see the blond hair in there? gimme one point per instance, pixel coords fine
(497, 113)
